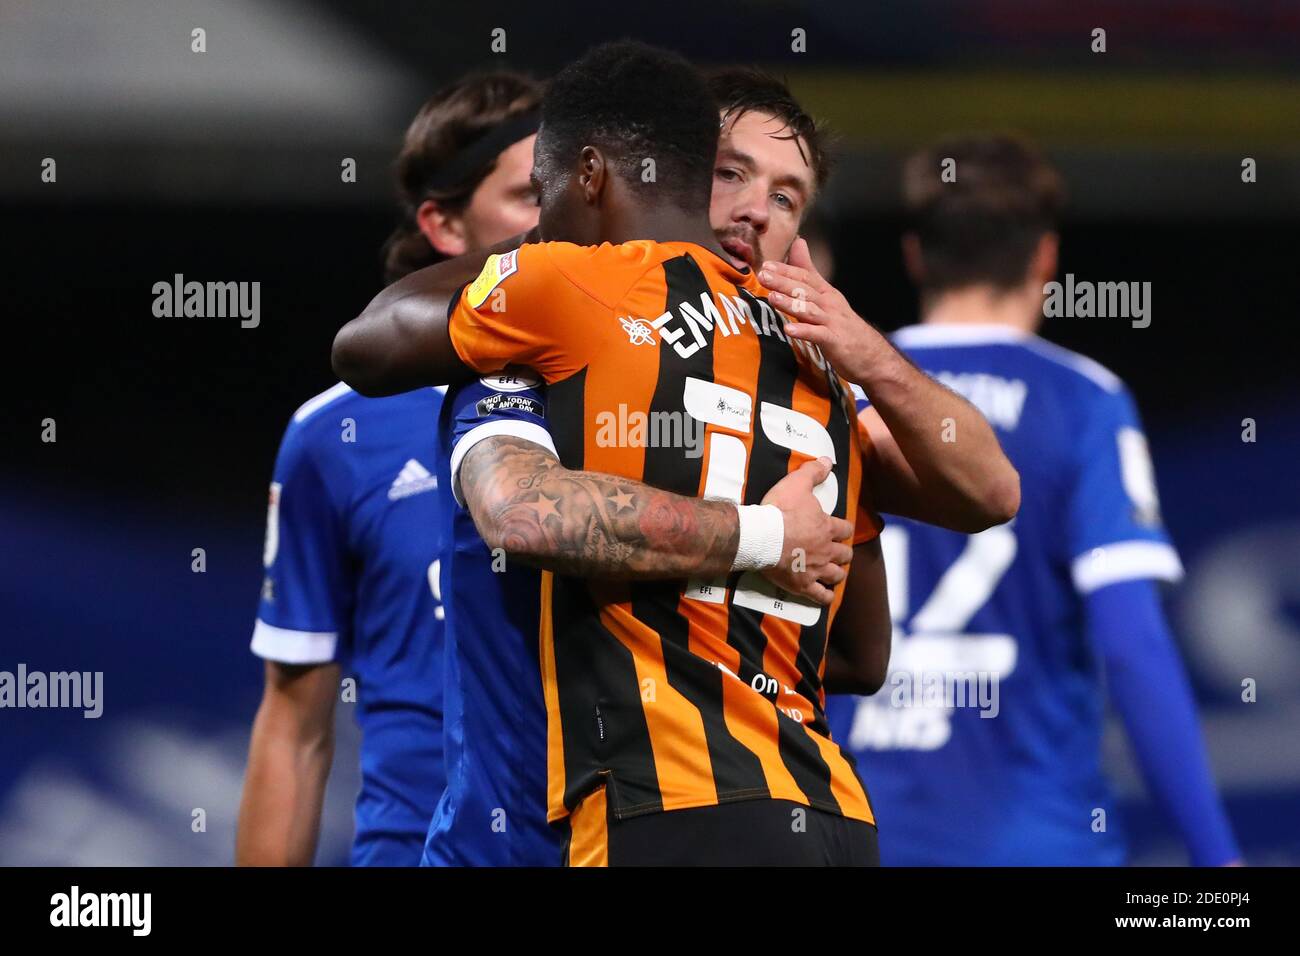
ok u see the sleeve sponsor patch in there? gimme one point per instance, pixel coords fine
(495, 271)
(501, 402)
(511, 380)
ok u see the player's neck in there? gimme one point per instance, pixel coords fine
(981, 305)
(664, 224)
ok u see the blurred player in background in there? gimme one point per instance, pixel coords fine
(984, 746)
(352, 539)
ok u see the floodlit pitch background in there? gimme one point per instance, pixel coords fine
(225, 166)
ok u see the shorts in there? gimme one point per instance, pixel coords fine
(747, 833)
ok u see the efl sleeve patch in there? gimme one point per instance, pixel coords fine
(512, 379)
(496, 270)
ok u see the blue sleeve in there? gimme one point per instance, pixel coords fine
(303, 608)
(512, 402)
(1149, 690)
(1113, 521)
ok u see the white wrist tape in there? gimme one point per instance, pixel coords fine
(762, 537)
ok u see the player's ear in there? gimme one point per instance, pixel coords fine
(912, 260)
(445, 231)
(592, 172)
(1042, 268)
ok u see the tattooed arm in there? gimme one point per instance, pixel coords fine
(588, 524)
(596, 525)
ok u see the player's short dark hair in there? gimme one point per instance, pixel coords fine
(741, 89)
(636, 102)
(450, 121)
(983, 226)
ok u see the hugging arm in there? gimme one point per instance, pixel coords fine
(604, 526)
(938, 459)
(401, 341)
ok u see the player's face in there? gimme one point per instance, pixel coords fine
(505, 203)
(761, 186)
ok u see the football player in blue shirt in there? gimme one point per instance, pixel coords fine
(352, 541)
(493, 812)
(984, 746)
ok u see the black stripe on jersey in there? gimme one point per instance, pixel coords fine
(567, 415)
(769, 463)
(602, 723)
(670, 468)
(601, 731)
(654, 603)
(601, 719)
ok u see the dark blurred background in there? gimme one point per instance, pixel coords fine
(225, 165)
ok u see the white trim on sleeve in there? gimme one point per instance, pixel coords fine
(529, 431)
(957, 333)
(293, 647)
(1125, 561)
(312, 405)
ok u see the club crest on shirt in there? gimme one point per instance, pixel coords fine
(639, 332)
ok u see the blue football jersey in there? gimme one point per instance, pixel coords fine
(493, 811)
(983, 746)
(352, 546)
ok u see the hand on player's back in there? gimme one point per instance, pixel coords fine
(815, 554)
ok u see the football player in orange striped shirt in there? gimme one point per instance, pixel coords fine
(685, 718)
(670, 702)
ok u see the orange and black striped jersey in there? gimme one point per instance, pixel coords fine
(676, 694)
